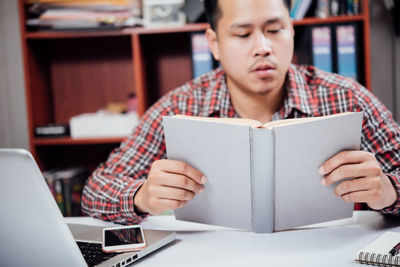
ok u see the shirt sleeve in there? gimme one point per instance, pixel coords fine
(381, 136)
(109, 191)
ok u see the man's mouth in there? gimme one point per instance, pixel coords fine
(263, 68)
(264, 71)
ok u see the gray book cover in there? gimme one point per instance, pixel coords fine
(300, 149)
(222, 153)
(262, 180)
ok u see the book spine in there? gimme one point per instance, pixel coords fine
(334, 7)
(294, 8)
(67, 196)
(356, 7)
(262, 180)
(350, 7)
(346, 51)
(201, 55)
(302, 10)
(342, 7)
(58, 188)
(322, 50)
(323, 8)
(76, 195)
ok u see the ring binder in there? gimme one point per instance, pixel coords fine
(377, 253)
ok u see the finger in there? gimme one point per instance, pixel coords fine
(174, 193)
(168, 204)
(346, 187)
(342, 158)
(180, 181)
(179, 167)
(370, 168)
(358, 196)
(342, 172)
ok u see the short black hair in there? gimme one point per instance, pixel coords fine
(214, 12)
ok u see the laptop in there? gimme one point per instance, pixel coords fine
(33, 231)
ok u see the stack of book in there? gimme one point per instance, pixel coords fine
(66, 186)
(322, 8)
(83, 14)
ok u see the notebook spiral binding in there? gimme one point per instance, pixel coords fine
(378, 259)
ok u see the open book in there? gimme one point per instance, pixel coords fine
(262, 177)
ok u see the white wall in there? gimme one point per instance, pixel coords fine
(13, 119)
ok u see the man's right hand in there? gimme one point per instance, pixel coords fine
(169, 186)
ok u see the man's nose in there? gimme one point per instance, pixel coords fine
(262, 46)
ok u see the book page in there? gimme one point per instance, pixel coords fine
(272, 124)
(257, 124)
(237, 121)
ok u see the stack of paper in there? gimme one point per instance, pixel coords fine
(83, 14)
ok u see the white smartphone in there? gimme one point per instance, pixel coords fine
(123, 238)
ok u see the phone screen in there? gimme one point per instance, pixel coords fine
(120, 237)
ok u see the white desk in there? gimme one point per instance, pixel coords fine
(330, 244)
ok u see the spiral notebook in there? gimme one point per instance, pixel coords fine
(377, 253)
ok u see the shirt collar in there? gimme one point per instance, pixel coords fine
(218, 98)
(299, 96)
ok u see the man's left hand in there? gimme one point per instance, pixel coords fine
(370, 184)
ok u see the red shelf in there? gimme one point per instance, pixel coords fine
(339, 19)
(70, 141)
(123, 32)
(75, 34)
(187, 28)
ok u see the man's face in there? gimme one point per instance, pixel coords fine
(254, 43)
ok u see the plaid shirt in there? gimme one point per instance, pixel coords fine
(109, 192)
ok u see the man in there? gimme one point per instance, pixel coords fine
(253, 40)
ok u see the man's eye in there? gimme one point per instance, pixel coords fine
(243, 35)
(274, 31)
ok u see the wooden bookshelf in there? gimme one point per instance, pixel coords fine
(73, 72)
(70, 141)
(122, 32)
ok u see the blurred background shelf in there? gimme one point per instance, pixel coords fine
(73, 72)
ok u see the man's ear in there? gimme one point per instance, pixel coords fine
(212, 40)
(292, 26)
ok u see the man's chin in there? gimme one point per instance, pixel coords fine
(264, 92)
(264, 89)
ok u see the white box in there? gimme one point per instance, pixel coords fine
(102, 124)
(163, 13)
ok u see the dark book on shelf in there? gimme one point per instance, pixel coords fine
(202, 60)
(66, 186)
(322, 48)
(347, 51)
(303, 46)
(332, 48)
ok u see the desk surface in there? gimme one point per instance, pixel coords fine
(328, 244)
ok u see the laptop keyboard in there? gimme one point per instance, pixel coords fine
(93, 253)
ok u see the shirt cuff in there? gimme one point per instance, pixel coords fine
(127, 208)
(395, 208)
